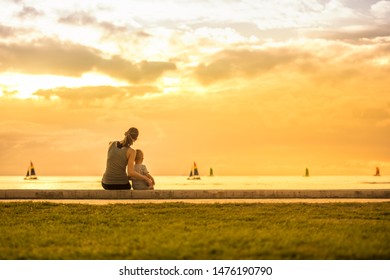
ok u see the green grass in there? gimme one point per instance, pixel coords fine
(195, 231)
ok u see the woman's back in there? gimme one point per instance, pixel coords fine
(115, 173)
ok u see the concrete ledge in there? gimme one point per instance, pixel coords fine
(191, 194)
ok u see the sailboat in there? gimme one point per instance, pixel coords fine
(194, 174)
(307, 172)
(211, 172)
(377, 172)
(31, 173)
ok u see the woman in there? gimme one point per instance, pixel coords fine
(120, 155)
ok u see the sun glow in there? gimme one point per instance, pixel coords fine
(383, 61)
(24, 86)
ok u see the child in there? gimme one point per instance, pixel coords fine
(141, 168)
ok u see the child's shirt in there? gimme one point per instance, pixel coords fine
(137, 183)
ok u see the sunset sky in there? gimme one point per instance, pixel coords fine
(251, 87)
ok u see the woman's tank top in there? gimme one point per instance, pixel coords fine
(116, 165)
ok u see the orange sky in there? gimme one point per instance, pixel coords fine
(246, 87)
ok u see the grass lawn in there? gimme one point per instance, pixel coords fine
(195, 231)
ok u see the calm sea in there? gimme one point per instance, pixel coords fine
(217, 182)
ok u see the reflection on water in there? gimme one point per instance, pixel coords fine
(218, 182)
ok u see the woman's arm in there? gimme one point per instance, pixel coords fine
(134, 174)
(150, 177)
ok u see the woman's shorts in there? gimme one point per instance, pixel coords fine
(116, 187)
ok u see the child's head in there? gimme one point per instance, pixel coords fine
(139, 156)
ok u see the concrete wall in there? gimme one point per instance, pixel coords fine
(191, 194)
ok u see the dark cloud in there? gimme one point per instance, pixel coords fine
(366, 32)
(338, 62)
(59, 58)
(10, 32)
(143, 34)
(28, 12)
(143, 71)
(79, 18)
(84, 18)
(48, 57)
(112, 28)
(6, 31)
(245, 63)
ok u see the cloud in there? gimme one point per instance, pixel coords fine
(143, 34)
(5, 91)
(352, 33)
(95, 96)
(78, 18)
(61, 58)
(134, 72)
(6, 31)
(29, 12)
(349, 20)
(245, 63)
(86, 19)
(48, 57)
(332, 61)
(381, 9)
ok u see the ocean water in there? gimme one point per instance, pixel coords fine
(207, 183)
